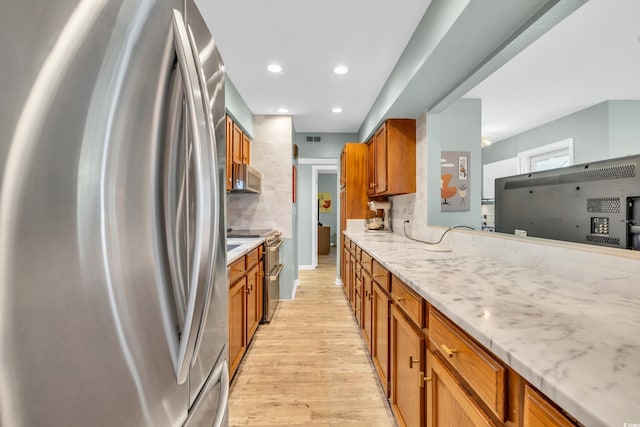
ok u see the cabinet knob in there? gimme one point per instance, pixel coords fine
(423, 379)
(412, 361)
(448, 351)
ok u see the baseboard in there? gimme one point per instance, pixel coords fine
(306, 267)
(295, 287)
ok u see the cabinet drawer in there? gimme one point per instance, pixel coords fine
(539, 412)
(236, 270)
(365, 260)
(408, 300)
(478, 368)
(381, 275)
(252, 258)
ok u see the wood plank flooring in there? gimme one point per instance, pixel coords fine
(310, 365)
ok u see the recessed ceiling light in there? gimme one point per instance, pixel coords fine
(337, 110)
(282, 110)
(274, 68)
(341, 69)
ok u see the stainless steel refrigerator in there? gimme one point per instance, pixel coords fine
(113, 296)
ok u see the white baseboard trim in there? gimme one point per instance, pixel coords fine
(306, 267)
(339, 282)
(295, 287)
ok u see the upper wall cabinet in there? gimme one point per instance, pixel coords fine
(391, 157)
(238, 149)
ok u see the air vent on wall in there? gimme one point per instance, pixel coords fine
(311, 138)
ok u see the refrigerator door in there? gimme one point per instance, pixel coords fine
(214, 329)
(89, 331)
(211, 407)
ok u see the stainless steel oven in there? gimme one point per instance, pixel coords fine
(273, 268)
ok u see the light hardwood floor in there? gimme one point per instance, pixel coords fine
(310, 364)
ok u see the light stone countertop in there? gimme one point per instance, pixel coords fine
(246, 245)
(579, 346)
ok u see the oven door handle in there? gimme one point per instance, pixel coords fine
(276, 246)
(277, 273)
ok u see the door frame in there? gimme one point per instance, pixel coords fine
(317, 166)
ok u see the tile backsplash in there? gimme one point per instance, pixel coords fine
(271, 154)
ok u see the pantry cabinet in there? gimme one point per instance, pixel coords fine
(353, 193)
(391, 159)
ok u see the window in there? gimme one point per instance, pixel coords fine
(551, 156)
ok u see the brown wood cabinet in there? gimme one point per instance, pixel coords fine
(353, 193)
(229, 163)
(238, 149)
(434, 373)
(237, 323)
(485, 375)
(391, 161)
(380, 313)
(245, 304)
(367, 302)
(539, 412)
(407, 369)
(246, 149)
(448, 404)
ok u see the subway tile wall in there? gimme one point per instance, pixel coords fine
(271, 154)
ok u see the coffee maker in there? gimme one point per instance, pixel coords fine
(379, 223)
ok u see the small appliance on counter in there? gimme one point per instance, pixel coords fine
(377, 223)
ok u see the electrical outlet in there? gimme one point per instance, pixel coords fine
(521, 233)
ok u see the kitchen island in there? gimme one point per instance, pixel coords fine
(577, 344)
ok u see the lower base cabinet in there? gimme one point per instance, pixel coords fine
(407, 370)
(434, 373)
(380, 313)
(237, 323)
(447, 403)
(540, 413)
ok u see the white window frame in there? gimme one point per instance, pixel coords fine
(525, 157)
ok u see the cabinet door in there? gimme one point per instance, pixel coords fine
(237, 323)
(371, 167)
(260, 287)
(246, 149)
(352, 280)
(237, 144)
(380, 313)
(253, 308)
(448, 404)
(367, 298)
(407, 363)
(229, 138)
(381, 160)
(538, 412)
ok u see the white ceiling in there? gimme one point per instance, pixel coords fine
(309, 38)
(591, 56)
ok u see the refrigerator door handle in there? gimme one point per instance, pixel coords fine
(196, 119)
(211, 177)
(220, 375)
